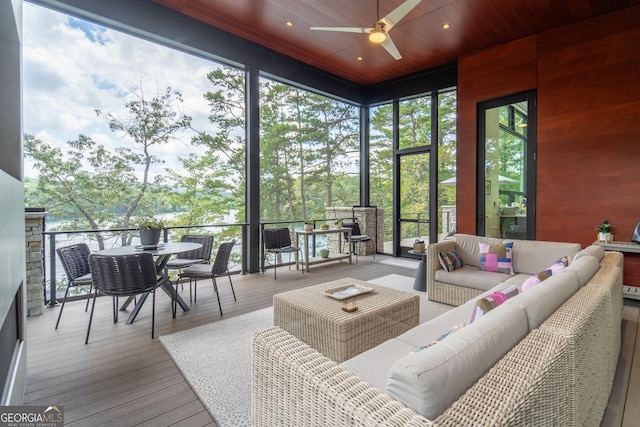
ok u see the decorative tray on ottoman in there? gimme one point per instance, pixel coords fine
(348, 291)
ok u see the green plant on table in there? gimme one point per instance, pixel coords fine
(605, 226)
(151, 223)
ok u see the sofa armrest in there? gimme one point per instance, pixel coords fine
(433, 262)
(527, 387)
(294, 385)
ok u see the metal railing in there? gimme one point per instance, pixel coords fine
(117, 237)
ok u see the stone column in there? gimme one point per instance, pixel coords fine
(370, 220)
(35, 264)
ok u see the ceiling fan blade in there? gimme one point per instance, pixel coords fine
(391, 48)
(398, 13)
(343, 29)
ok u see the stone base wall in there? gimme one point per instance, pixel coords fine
(371, 222)
(35, 269)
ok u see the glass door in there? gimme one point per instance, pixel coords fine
(414, 217)
(506, 167)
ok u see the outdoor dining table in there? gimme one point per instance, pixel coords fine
(162, 254)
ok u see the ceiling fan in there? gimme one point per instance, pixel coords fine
(379, 32)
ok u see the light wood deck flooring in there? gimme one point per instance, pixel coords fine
(124, 378)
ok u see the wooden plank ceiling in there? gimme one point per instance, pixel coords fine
(420, 36)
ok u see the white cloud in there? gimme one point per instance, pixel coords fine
(72, 68)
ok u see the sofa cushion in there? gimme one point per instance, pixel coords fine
(429, 331)
(467, 247)
(430, 381)
(596, 251)
(471, 277)
(374, 364)
(496, 257)
(450, 260)
(542, 300)
(532, 256)
(583, 268)
(554, 268)
(441, 337)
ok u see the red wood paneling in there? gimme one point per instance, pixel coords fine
(588, 127)
(631, 270)
(491, 73)
(588, 167)
(423, 43)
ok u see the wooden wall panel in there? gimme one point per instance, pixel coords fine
(588, 80)
(589, 127)
(631, 271)
(492, 73)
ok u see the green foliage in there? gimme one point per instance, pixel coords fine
(99, 187)
(151, 223)
(309, 159)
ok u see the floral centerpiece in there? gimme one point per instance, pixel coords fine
(605, 231)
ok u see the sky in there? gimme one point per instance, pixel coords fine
(72, 67)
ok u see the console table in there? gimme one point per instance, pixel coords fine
(332, 257)
(626, 248)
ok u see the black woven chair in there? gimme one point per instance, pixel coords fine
(124, 276)
(357, 237)
(75, 261)
(278, 241)
(220, 267)
(198, 256)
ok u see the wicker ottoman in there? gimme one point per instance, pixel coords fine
(319, 320)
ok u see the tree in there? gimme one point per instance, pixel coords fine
(151, 122)
(100, 188)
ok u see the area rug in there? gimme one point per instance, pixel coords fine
(215, 359)
(401, 262)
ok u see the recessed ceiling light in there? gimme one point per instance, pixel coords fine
(289, 24)
(445, 26)
(359, 58)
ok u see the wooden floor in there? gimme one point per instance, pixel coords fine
(124, 378)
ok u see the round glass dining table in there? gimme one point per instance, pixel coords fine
(162, 253)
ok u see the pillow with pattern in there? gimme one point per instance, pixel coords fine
(533, 280)
(450, 260)
(441, 337)
(491, 301)
(497, 257)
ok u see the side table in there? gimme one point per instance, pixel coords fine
(420, 284)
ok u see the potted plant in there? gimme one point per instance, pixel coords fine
(308, 226)
(605, 230)
(150, 231)
(338, 223)
(324, 226)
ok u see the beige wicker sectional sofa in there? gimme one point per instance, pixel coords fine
(544, 357)
(458, 286)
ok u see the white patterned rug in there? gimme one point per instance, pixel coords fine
(215, 359)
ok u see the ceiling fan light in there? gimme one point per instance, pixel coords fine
(377, 35)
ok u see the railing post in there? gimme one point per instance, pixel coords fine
(261, 247)
(52, 271)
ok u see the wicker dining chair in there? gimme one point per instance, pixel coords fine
(75, 261)
(124, 276)
(278, 241)
(220, 267)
